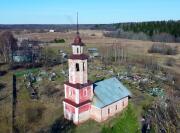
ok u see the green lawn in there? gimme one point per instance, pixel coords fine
(126, 122)
(89, 127)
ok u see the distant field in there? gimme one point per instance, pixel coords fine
(95, 38)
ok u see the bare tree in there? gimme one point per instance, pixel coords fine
(7, 45)
(163, 37)
(163, 49)
(115, 53)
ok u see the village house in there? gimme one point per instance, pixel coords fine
(93, 52)
(86, 100)
(51, 31)
(27, 51)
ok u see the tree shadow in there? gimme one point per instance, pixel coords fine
(62, 125)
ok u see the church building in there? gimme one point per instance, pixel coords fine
(86, 100)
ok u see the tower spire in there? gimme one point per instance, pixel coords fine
(77, 25)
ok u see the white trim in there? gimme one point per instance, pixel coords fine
(81, 49)
(64, 108)
(76, 115)
(75, 51)
(70, 92)
(65, 90)
(77, 96)
(92, 91)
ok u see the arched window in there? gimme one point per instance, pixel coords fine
(77, 67)
(85, 92)
(70, 92)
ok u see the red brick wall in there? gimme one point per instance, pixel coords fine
(112, 108)
(102, 114)
(69, 108)
(95, 113)
(77, 76)
(82, 96)
(69, 90)
(85, 108)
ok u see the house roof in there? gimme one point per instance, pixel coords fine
(92, 49)
(109, 91)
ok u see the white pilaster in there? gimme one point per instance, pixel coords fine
(76, 116)
(77, 96)
(65, 90)
(64, 109)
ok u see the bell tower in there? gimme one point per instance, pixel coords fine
(78, 90)
(78, 63)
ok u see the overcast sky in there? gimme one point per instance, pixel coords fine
(90, 11)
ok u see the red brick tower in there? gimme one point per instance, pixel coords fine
(78, 90)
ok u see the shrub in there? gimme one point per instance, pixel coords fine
(59, 41)
(163, 37)
(163, 49)
(127, 34)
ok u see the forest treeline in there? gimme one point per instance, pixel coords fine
(151, 28)
(160, 31)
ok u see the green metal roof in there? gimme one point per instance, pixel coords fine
(109, 91)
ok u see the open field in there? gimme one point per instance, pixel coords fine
(95, 38)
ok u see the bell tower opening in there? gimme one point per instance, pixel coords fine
(83, 66)
(77, 67)
(77, 50)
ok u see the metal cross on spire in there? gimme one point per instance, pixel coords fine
(77, 25)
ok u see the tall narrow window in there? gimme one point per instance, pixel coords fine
(108, 111)
(123, 103)
(70, 92)
(77, 50)
(116, 107)
(85, 92)
(83, 66)
(77, 67)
